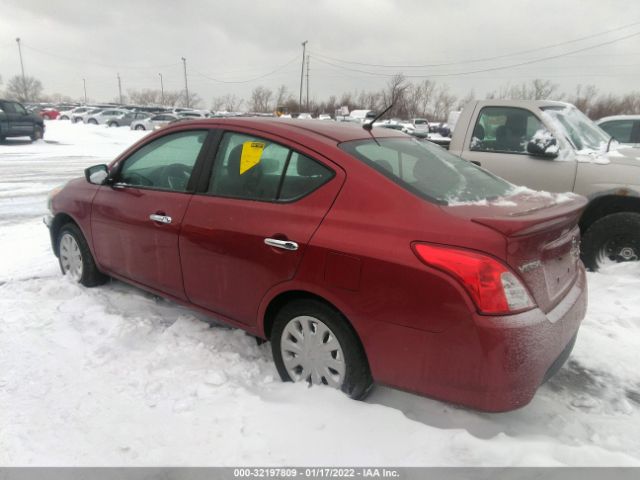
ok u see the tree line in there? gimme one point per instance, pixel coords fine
(427, 98)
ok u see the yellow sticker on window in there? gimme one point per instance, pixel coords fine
(250, 157)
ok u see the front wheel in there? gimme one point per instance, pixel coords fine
(313, 343)
(75, 257)
(37, 134)
(113, 124)
(140, 127)
(612, 239)
(92, 121)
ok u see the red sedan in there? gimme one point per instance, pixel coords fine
(363, 256)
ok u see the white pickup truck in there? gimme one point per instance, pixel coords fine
(552, 146)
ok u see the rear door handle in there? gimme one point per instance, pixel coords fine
(283, 244)
(160, 218)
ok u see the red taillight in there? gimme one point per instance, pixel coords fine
(493, 287)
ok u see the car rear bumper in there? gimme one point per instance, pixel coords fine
(498, 363)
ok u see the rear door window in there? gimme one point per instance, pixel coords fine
(254, 168)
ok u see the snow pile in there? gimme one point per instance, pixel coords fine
(115, 376)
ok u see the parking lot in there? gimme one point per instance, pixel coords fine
(116, 376)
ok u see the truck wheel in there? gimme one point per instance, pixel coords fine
(313, 343)
(37, 134)
(612, 239)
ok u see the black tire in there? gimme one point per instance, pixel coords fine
(139, 127)
(38, 133)
(357, 378)
(91, 276)
(113, 124)
(92, 121)
(63, 117)
(615, 237)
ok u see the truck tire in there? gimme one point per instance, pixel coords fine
(612, 239)
(37, 133)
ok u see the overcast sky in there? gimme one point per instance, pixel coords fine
(64, 41)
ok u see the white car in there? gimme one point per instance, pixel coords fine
(624, 128)
(305, 116)
(67, 114)
(105, 117)
(324, 116)
(79, 117)
(155, 122)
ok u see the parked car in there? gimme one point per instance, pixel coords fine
(624, 128)
(304, 116)
(324, 116)
(16, 121)
(154, 122)
(127, 119)
(362, 259)
(193, 114)
(81, 117)
(67, 114)
(104, 117)
(553, 146)
(418, 127)
(49, 113)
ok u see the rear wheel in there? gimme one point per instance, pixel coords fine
(612, 239)
(313, 343)
(75, 257)
(113, 124)
(92, 121)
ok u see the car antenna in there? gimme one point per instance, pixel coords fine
(609, 143)
(368, 126)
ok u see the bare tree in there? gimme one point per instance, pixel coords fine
(443, 103)
(229, 102)
(260, 100)
(27, 89)
(395, 94)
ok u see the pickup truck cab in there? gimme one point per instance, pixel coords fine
(16, 121)
(552, 146)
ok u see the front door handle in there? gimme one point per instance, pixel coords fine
(160, 218)
(283, 244)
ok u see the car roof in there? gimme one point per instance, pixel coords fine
(522, 103)
(337, 131)
(618, 117)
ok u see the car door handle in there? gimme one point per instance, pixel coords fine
(160, 218)
(283, 244)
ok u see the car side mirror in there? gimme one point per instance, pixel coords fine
(543, 144)
(97, 174)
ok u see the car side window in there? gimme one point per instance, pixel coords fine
(619, 129)
(166, 163)
(504, 129)
(253, 168)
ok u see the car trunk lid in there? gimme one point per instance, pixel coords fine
(542, 239)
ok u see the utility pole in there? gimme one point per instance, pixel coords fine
(304, 50)
(308, 57)
(186, 86)
(24, 81)
(84, 84)
(120, 88)
(161, 89)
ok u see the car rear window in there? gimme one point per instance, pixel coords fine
(427, 170)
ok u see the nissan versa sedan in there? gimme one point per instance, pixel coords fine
(363, 256)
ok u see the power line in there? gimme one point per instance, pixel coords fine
(485, 59)
(89, 62)
(483, 70)
(281, 67)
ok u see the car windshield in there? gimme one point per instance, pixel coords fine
(428, 170)
(579, 129)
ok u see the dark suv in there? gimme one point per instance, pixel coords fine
(16, 121)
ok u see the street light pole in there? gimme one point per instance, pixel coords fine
(304, 49)
(24, 81)
(120, 88)
(186, 86)
(84, 84)
(161, 89)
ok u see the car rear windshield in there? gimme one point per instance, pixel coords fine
(427, 170)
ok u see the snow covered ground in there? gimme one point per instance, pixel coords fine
(115, 376)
